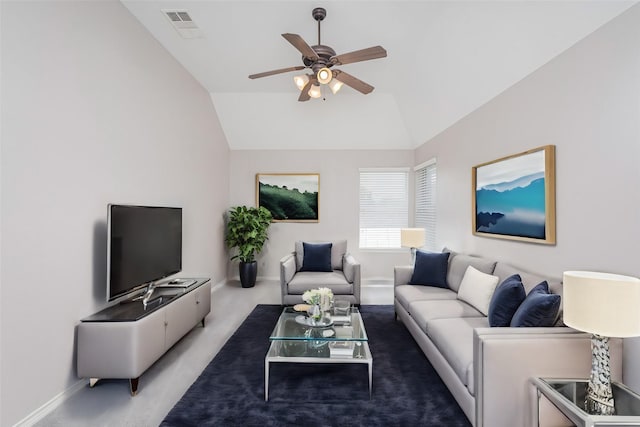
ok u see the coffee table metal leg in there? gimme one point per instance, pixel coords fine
(266, 379)
(370, 377)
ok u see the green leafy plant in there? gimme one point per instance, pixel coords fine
(247, 231)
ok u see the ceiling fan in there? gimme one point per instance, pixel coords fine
(320, 59)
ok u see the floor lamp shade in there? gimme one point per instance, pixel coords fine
(412, 237)
(602, 303)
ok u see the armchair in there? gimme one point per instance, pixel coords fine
(343, 279)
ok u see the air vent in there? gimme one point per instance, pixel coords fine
(183, 23)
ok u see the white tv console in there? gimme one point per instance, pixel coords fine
(125, 339)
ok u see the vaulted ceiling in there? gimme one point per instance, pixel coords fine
(445, 59)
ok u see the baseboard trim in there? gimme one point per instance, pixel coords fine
(52, 404)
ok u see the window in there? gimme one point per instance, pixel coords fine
(425, 215)
(384, 207)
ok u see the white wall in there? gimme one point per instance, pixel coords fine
(94, 111)
(587, 103)
(339, 202)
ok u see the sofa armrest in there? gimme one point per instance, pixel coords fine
(402, 274)
(506, 358)
(287, 268)
(351, 270)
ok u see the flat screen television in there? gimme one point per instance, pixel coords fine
(144, 244)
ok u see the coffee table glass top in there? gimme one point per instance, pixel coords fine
(292, 326)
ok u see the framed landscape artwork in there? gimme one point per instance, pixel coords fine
(514, 197)
(290, 197)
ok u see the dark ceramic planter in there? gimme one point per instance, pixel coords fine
(248, 273)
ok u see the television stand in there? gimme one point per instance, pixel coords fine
(125, 339)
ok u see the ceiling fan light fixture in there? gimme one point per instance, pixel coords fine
(301, 81)
(335, 85)
(315, 92)
(324, 75)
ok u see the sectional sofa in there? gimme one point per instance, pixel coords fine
(487, 369)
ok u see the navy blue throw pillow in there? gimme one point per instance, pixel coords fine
(430, 269)
(316, 257)
(539, 308)
(505, 301)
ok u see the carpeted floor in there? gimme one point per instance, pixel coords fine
(406, 389)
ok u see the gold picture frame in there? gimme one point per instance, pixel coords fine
(290, 197)
(514, 197)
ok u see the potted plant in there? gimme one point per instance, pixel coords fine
(247, 231)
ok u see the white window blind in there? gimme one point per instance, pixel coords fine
(425, 215)
(384, 207)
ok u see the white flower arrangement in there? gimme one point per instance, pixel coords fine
(321, 296)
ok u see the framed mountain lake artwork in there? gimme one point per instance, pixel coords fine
(290, 197)
(514, 197)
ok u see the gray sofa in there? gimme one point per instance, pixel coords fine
(487, 369)
(343, 280)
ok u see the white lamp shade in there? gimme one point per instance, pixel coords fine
(335, 85)
(324, 75)
(301, 81)
(314, 91)
(602, 303)
(412, 237)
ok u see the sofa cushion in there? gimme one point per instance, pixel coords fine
(477, 289)
(423, 311)
(406, 294)
(454, 339)
(338, 249)
(305, 280)
(505, 301)
(430, 269)
(317, 257)
(458, 267)
(539, 308)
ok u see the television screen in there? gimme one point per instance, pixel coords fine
(144, 244)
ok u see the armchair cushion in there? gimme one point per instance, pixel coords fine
(338, 249)
(317, 257)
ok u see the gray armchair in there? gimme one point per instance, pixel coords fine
(343, 280)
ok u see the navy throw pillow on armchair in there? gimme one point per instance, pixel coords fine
(430, 269)
(316, 257)
(505, 301)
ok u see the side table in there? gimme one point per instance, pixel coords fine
(568, 396)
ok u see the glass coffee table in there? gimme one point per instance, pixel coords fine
(342, 339)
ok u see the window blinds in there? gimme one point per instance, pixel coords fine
(425, 214)
(384, 207)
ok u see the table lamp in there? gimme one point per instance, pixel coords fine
(412, 238)
(605, 305)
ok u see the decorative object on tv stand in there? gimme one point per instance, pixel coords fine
(514, 197)
(320, 58)
(605, 305)
(412, 238)
(247, 231)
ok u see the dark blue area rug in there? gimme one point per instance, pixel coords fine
(406, 389)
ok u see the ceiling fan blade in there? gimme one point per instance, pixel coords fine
(304, 93)
(299, 43)
(374, 52)
(272, 72)
(353, 82)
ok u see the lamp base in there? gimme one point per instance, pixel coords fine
(599, 400)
